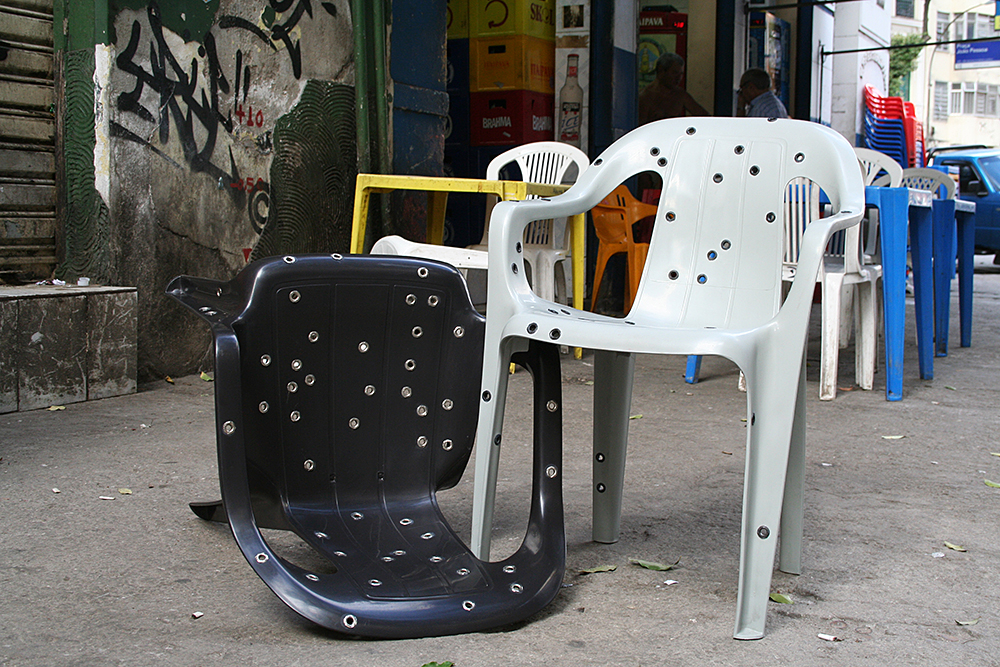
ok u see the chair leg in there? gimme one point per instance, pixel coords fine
(790, 554)
(866, 336)
(543, 272)
(693, 369)
(488, 439)
(966, 245)
(847, 310)
(563, 281)
(830, 345)
(602, 260)
(613, 372)
(772, 400)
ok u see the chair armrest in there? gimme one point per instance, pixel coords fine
(507, 223)
(811, 249)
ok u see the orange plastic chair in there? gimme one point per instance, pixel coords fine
(613, 220)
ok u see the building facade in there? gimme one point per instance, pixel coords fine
(955, 87)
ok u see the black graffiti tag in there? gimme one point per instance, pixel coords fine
(184, 106)
(280, 32)
(177, 91)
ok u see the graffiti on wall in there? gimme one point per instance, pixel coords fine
(191, 96)
(279, 31)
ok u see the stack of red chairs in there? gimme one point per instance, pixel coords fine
(884, 118)
(917, 156)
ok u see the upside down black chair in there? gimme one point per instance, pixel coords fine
(347, 394)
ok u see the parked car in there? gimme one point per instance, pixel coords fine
(979, 182)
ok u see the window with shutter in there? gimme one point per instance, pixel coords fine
(940, 100)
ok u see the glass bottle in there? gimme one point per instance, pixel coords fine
(571, 103)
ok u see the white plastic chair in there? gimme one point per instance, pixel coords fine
(541, 162)
(851, 265)
(874, 163)
(461, 258)
(923, 178)
(843, 270)
(802, 205)
(881, 167)
(712, 285)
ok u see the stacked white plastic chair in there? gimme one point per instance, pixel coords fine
(924, 178)
(541, 162)
(847, 271)
(874, 163)
(547, 162)
(711, 285)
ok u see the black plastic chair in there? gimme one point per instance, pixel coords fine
(347, 394)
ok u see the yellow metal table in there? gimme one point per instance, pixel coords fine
(438, 189)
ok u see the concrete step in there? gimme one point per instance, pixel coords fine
(65, 344)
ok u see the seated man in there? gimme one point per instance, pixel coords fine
(755, 99)
(664, 97)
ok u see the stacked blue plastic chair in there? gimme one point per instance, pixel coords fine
(886, 136)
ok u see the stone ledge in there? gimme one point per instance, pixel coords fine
(65, 344)
(16, 292)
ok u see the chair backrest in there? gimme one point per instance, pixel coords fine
(540, 162)
(873, 163)
(924, 178)
(801, 207)
(716, 252)
(615, 215)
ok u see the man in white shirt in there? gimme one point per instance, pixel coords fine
(755, 98)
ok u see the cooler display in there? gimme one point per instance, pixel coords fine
(659, 33)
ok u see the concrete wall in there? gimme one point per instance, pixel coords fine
(858, 25)
(220, 128)
(821, 95)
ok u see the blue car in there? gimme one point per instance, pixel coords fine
(979, 182)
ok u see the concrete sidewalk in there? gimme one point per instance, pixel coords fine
(87, 581)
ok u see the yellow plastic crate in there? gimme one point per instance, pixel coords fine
(512, 63)
(493, 18)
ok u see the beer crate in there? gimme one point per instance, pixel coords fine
(512, 63)
(510, 117)
(458, 19)
(493, 18)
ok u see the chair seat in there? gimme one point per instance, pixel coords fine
(346, 397)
